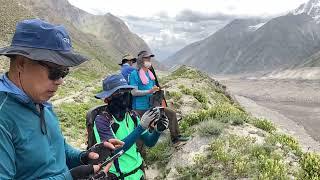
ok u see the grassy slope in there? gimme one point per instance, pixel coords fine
(241, 147)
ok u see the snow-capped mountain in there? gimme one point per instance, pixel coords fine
(312, 8)
(251, 45)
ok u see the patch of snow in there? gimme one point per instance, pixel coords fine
(311, 8)
(256, 27)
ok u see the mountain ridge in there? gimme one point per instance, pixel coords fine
(240, 48)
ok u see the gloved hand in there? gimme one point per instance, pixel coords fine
(162, 124)
(148, 117)
(100, 149)
(82, 172)
(102, 175)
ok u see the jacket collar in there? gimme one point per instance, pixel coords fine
(6, 85)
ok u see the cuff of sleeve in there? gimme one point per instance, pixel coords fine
(157, 132)
(80, 155)
(141, 130)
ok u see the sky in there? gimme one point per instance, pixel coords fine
(170, 25)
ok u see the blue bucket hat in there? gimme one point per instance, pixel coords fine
(111, 84)
(41, 41)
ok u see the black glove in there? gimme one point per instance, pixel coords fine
(162, 124)
(103, 176)
(82, 172)
(100, 149)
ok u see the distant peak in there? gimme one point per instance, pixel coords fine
(312, 8)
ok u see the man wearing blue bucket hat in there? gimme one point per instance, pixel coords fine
(32, 145)
(119, 121)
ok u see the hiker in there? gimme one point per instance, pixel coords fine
(120, 122)
(32, 145)
(144, 82)
(127, 65)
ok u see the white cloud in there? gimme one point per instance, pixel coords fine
(147, 8)
(169, 25)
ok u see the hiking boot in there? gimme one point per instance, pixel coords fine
(180, 140)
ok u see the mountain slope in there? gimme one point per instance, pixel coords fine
(107, 31)
(254, 45)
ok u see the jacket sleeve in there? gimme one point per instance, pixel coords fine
(104, 128)
(72, 155)
(150, 138)
(132, 138)
(7, 155)
(63, 176)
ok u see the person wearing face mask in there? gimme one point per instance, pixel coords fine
(144, 82)
(120, 122)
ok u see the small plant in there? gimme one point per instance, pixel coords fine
(160, 153)
(176, 96)
(310, 166)
(200, 96)
(264, 125)
(210, 128)
(288, 143)
(181, 86)
(186, 91)
(272, 169)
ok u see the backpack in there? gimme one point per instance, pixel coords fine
(92, 132)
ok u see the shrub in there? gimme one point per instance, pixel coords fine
(222, 112)
(210, 128)
(200, 96)
(288, 143)
(176, 96)
(196, 117)
(186, 91)
(272, 169)
(228, 110)
(236, 157)
(310, 166)
(181, 86)
(264, 125)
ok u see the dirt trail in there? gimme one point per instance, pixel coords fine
(293, 105)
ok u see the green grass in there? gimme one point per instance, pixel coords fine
(263, 124)
(160, 153)
(288, 143)
(72, 119)
(176, 96)
(225, 113)
(210, 128)
(234, 157)
(310, 166)
(200, 96)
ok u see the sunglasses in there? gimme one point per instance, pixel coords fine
(55, 72)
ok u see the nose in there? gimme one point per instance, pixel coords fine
(58, 81)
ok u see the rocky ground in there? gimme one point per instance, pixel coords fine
(294, 105)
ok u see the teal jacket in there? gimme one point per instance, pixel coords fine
(25, 152)
(140, 102)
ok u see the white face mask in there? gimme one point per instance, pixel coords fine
(147, 64)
